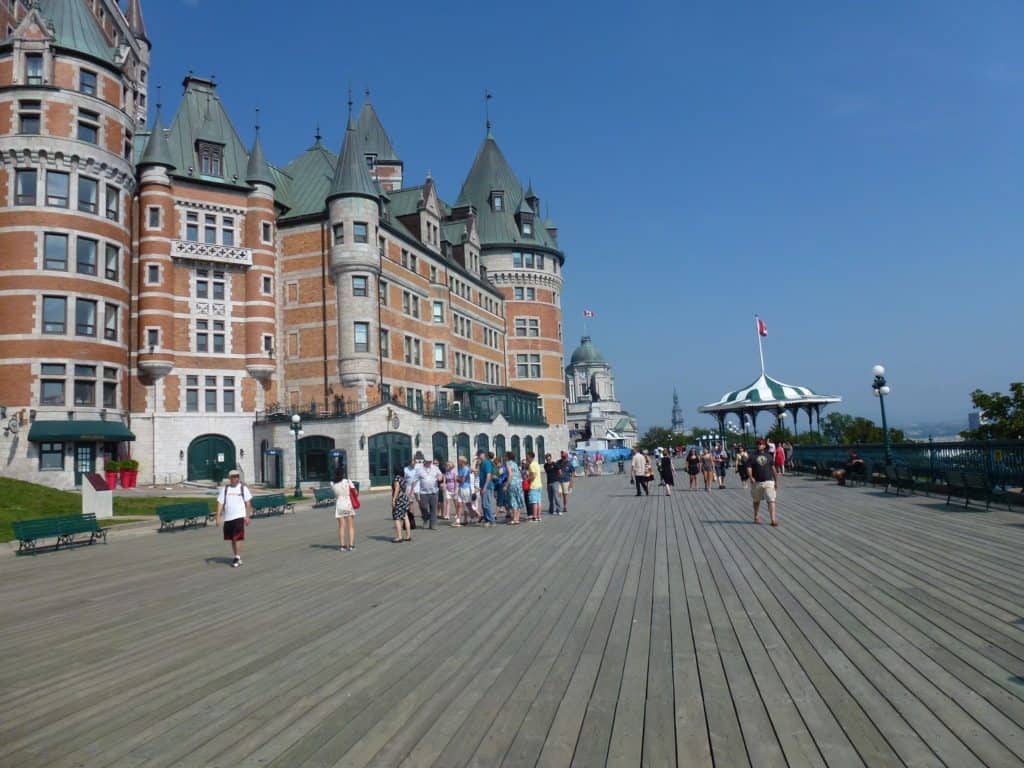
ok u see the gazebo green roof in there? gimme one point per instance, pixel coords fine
(767, 393)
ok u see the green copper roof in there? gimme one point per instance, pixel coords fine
(586, 353)
(351, 178)
(454, 232)
(491, 172)
(258, 171)
(201, 116)
(372, 136)
(406, 201)
(75, 28)
(311, 174)
(158, 152)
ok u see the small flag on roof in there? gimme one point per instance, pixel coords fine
(761, 327)
(588, 313)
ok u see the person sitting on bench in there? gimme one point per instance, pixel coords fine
(855, 463)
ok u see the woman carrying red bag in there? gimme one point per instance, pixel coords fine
(346, 502)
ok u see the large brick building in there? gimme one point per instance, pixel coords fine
(172, 296)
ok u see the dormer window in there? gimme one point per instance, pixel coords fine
(527, 227)
(497, 200)
(371, 161)
(211, 159)
(34, 68)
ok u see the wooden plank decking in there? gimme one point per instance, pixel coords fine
(866, 630)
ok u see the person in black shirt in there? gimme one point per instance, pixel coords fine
(552, 481)
(762, 474)
(565, 470)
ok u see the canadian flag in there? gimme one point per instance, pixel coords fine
(588, 313)
(761, 327)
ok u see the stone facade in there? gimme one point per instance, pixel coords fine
(595, 416)
(165, 279)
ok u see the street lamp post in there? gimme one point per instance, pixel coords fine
(297, 431)
(881, 389)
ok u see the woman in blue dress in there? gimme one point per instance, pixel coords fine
(514, 488)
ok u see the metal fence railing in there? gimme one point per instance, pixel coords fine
(1001, 460)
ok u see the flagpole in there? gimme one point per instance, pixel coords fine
(760, 349)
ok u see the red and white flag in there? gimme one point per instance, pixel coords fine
(762, 329)
(588, 313)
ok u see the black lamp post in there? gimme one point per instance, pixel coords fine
(297, 431)
(881, 390)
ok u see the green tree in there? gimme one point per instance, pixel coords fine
(1004, 414)
(835, 425)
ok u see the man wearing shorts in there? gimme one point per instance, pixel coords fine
(551, 476)
(565, 480)
(536, 486)
(234, 504)
(487, 480)
(762, 474)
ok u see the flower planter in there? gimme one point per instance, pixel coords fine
(128, 477)
(111, 479)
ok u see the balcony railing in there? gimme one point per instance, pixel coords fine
(217, 254)
(341, 408)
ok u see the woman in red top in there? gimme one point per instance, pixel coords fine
(780, 458)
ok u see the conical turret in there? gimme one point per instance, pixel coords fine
(135, 21)
(158, 151)
(258, 170)
(351, 179)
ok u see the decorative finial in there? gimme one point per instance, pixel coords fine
(487, 109)
(350, 103)
(366, 93)
(317, 135)
(159, 97)
(257, 120)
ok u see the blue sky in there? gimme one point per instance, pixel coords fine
(853, 174)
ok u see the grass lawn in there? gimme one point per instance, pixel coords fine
(20, 501)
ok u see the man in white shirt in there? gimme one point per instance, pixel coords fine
(428, 478)
(234, 504)
(639, 467)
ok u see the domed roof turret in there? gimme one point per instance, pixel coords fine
(586, 353)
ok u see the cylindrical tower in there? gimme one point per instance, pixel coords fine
(353, 211)
(260, 279)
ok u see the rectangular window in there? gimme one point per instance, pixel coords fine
(51, 392)
(540, 261)
(218, 286)
(152, 338)
(362, 337)
(382, 291)
(227, 235)
(152, 274)
(339, 234)
(408, 349)
(359, 285)
(112, 269)
(113, 204)
(528, 366)
(34, 68)
(210, 230)
(268, 344)
(109, 394)
(293, 344)
(192, 400)
(52, 369)
(58, 185)
(385, 344)
(517, 260)
(88, 126)
(360, 232)
(110, 322)
(202, 336)
(211, 400)
(433, 273)
(218, 337)
(267, 232)
(416, 347)
(267, 285)
(528, 260)
(55, 251)
(413, 262)
(128, 143)
(437, 312)
(55, 311)
(85, 392)
(26, 184)
(192, 227)
(85, 256)
(210, 159)
(51, 455)
(87, 82)
(229, 400)
(85, 317)
(30, 117)
(439, 356)
(153, 217)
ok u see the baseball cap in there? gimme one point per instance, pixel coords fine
(234, 473)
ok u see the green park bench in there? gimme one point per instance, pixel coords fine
(979, 483)
(323, 496)
(63, 528)
(189, 513)
(274, 504)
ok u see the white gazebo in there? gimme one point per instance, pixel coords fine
(768, 394)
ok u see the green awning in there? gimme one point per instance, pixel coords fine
(56, 431)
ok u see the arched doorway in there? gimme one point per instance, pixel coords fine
(439, 446)
(462, 444)
(528, 444)
(389, 453)
(540, 447)
(499, 446)
(210, 457)
(483, 443)
(515, 447)
(314, 458)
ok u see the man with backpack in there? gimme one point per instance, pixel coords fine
(721, 456)
(234, 504)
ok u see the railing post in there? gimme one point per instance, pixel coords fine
(931, 459)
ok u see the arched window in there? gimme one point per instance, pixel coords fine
(462, 445)
(514, 448)
(439, 446)
(499, 446)
(528, 444)
(483, 443)
(540, 447)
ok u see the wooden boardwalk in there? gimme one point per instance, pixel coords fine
(866, 630)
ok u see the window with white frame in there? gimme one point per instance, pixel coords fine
(110, 377)
(267, 232)
(88, 194)
(524, 294)
(58, 189)
(113, 203)
(33, 69)
(88, 126)
(211, 159)
(527, 326)
(266, 285)
(110, 316)
(338, 231)
(87, 82)
(152, 274)
(55, 251)
(528, 366)
(85, 255)
(85, 317)
(382, 292)
(437, 312)
(85, 385)
(385, 343)
(26, 186)
(361, 336)
(112, 262)
(52, 384)
(30, 116)
(360, 232)
(360, 285)
(440, 357)
(55, 313)
(153, 339)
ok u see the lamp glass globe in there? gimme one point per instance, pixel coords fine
(884, 390)
(874, 392)
(878, 370)
(296, 418)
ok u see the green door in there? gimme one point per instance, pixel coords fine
(85, 460)
(210, 457)
(389, 453)
(439, 446)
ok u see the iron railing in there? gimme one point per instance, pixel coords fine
(1001, 460)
